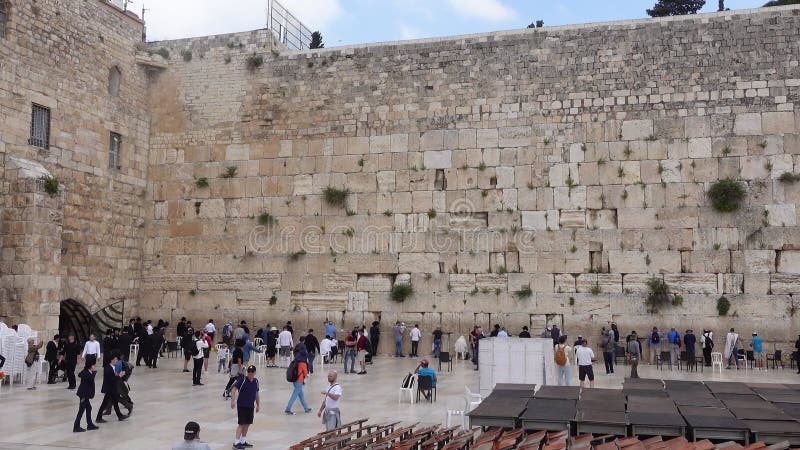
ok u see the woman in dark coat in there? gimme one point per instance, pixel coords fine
(85, 394)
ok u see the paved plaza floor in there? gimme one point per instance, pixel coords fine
(166, 400)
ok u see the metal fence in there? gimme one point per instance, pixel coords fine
(286, 27)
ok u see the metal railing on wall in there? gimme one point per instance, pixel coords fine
(288, 29)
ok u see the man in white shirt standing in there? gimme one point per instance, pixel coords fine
(286, 344)
(211, 329)
(149, 328)
(583, 358)
(329, 411)
(91, 350)
(415, 335)
(325, 349)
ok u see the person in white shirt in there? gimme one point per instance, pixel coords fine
(286, 344)
(211, 329)
(325, 348)
(149, 328)
(332, 418)
(583, 358)
(201, 344)
(502, 333)
(415, 335)
(91, 349)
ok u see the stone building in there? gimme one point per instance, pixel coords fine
(523, 177)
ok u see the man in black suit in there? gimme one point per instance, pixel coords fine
(86, 394)
(51, 356)
(71, 351)
(124, 344)
(109, 388)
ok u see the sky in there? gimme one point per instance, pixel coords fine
(347, 22)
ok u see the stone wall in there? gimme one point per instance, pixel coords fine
(84, 243)
(572, 160)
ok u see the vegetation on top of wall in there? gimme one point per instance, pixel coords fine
(402, 291)
(163, 52)
(723, 306)
(254, 61)
(659, 295)
(664, 8)
(51, 185)
(316, 41)
(781, 3)
(335, 196)
(186, 55)
(726, 195)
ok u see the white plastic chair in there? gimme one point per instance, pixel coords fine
(322, 358)
(461, 347)
(258, 341)
(134, 351)
(260, 358)
(472, 399)
(716, 361)
(410, 390)
(741, 358)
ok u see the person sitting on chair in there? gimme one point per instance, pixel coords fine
(423, 370)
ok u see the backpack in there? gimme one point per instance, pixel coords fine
(655, 338)
(407, 384)
(561, 356)
(292, 372)
(193, 350)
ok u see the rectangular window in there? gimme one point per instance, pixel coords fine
(40, 126)
(113, 151)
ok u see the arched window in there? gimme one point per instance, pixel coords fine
(114, 77)
(5, 12)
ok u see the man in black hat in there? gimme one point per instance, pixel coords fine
(191, 438)
(247, 404)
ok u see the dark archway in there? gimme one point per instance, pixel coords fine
(75, 318)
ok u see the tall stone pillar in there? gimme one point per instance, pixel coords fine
(30, 267)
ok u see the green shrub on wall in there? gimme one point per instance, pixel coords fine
(402, 291)
(723, 306)
(726, 195)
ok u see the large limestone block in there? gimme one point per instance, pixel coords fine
(789, 262)
(487, 138)
(781, 215)
(380, 144)
(366, 263)
(569, 198)
(622, 261)
(564, 282)
(386, 181)
(608, 283)
(572, 219)
(515, 136)
(476, 262)
(732, 283)
(438, 159)
(237, 152)
(757, 283)
(505, 177)
(700, 148)
(780, 165)
(784, 284)
(663, 262)
(778, 122)
(491, 281)
(462, 282)
(637, 218)
(754, 167)
(338, 282)
(534, 220)
(692, 283)
(601, 219)
(748, 124)
(759, 261)
(374, 283)
(636, 129)
(635, 283)
(357, 145)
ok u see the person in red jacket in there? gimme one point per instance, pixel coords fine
(301, 360)
(361, 351)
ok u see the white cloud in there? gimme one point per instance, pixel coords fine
(407, 32)
(173, 19)
(493, 10)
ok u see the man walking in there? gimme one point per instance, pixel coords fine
(398, 339)
(674, 339)
(71, 352)
(91, 350)
(312, 347)
(707, 342)
(285, 343)
(583, 358)
(109, 389)
(85, 394)
(329, 410)
(211, 329)
(247, 404)
(416, 334)
(732, 348)
(361, 352)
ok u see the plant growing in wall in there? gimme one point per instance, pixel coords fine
(335, 196)
(163, 52)
(266, 219)
(789, 178)
(51, 185)
(723, 306)
(726, 195)
(523, 293)
(402, 291)
(201, 182)
(230, 172)
(659, 295)
(294, 257)
(273, 300)
(254, 61)
(186, 55)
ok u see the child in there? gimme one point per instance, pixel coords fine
(223, 358)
